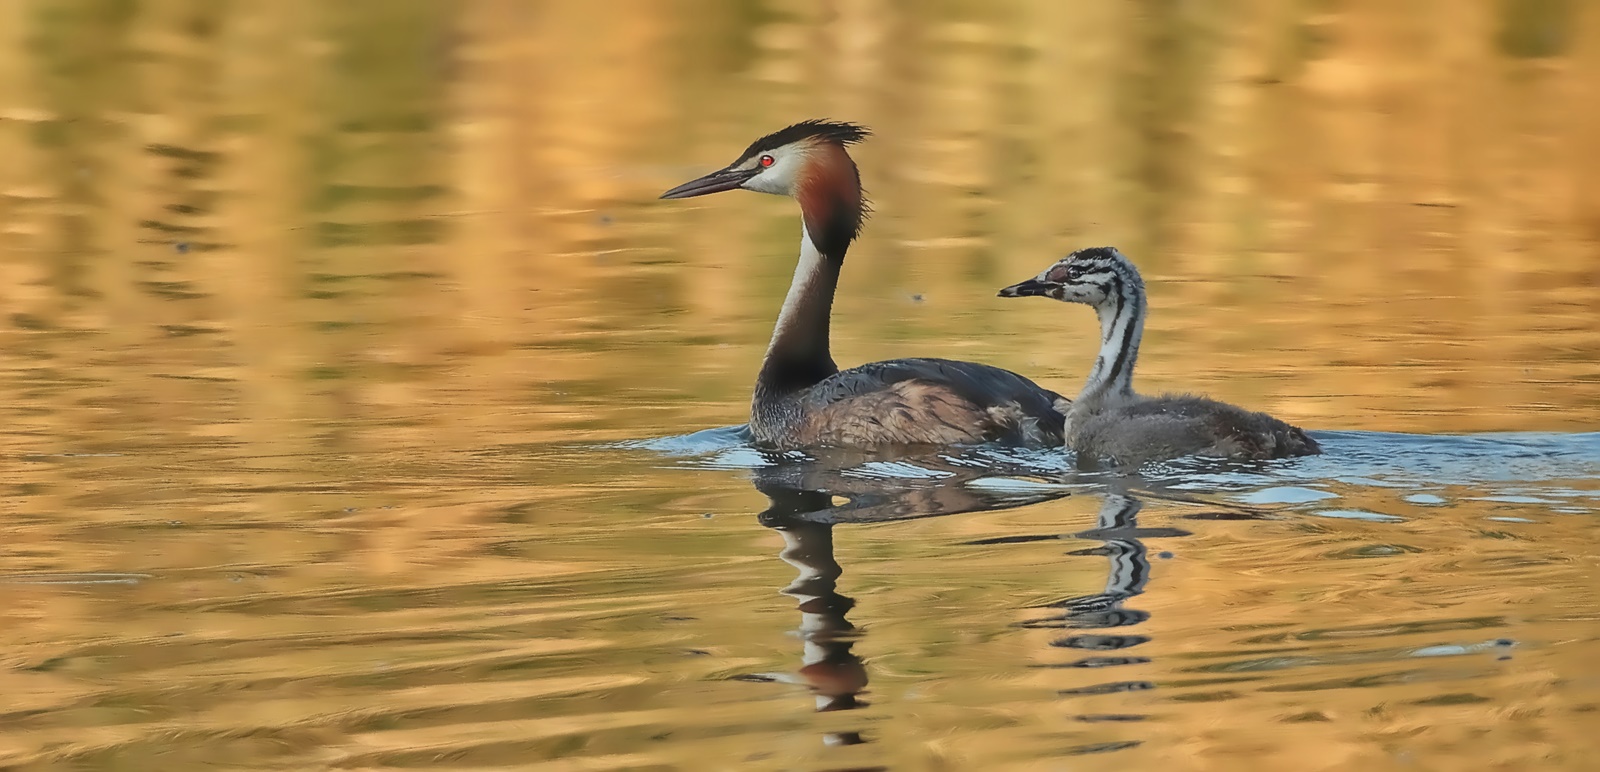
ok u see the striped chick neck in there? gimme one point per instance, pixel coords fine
(1117, 293)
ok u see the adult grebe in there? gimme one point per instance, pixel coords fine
(801, 397)
(1108, 420)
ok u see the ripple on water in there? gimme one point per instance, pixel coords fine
(992, 601)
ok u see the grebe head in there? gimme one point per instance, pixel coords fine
(808, 162)
(782, 161)
(1086, 276)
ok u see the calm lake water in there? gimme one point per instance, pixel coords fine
(361, 408)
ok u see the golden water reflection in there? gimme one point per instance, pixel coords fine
(306, 306)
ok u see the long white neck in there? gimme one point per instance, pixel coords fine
(810, 297)
(1121, 328)
(797, 357)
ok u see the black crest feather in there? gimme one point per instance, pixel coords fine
(841, 132)
(1094, 253)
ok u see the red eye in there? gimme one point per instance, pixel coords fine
(766, 161)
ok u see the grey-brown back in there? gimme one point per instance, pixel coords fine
(1143, 430)
(912, 402)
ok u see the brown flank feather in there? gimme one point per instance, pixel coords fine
(907, 413)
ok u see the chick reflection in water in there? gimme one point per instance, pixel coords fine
(807, 501)
(1106, 612)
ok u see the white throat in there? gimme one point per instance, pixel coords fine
(806, 273)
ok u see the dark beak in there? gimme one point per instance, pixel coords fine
(715, 182)
(1026, 289)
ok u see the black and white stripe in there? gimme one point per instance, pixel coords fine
(1103, 278)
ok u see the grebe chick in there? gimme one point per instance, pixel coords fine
(1108, 421)
(801, 397)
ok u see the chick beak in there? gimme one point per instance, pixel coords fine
(1027, 288)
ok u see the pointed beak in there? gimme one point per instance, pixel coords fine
(715, 182)
(1026, 289)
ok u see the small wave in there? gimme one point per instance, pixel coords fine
(699, 443)
(70, 578)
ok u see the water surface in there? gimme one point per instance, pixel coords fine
(360, 408)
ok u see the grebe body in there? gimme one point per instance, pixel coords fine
(1108, 421)
(801, 398)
